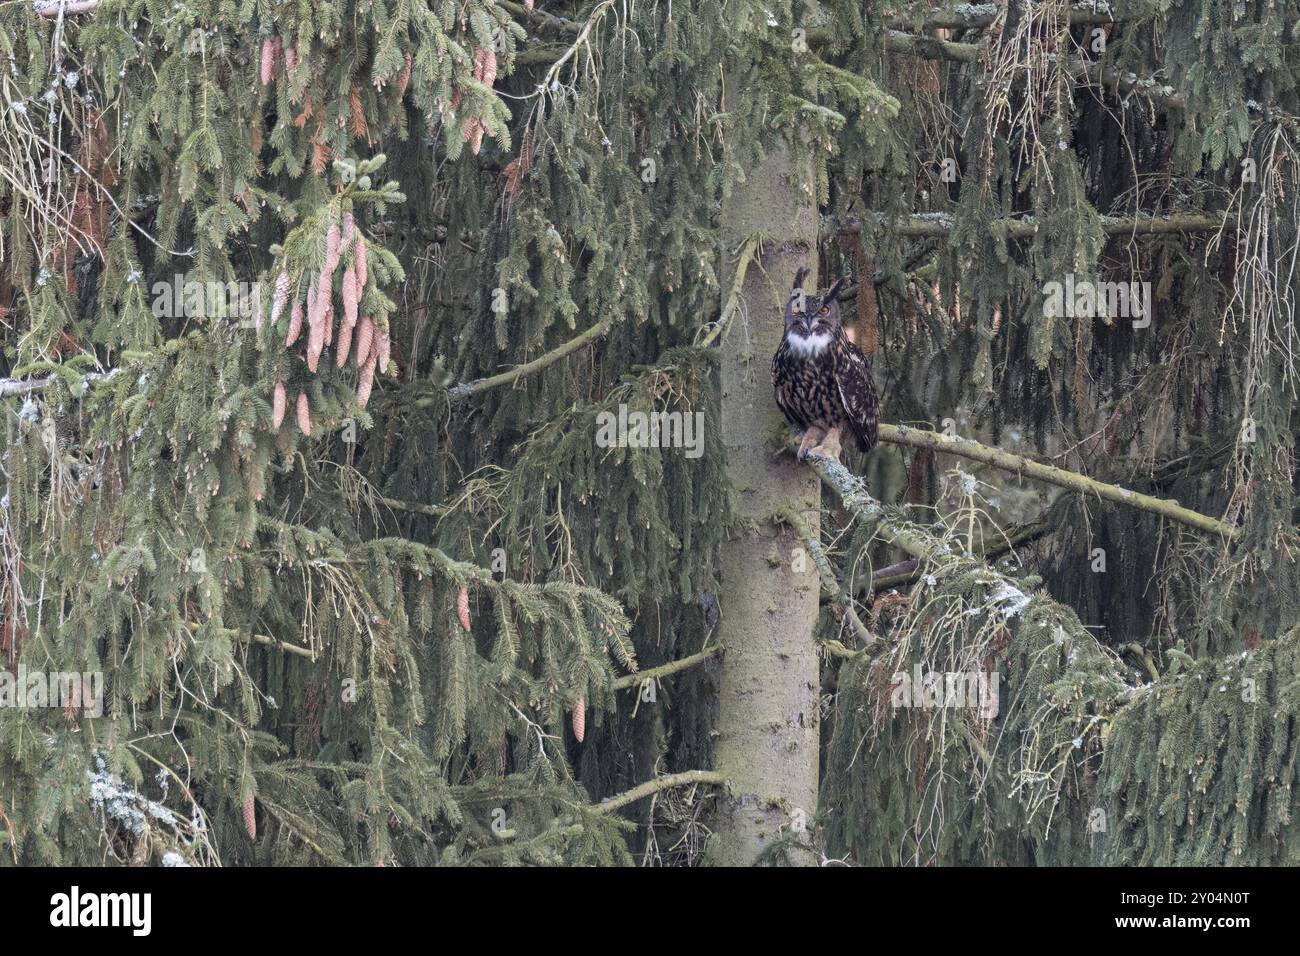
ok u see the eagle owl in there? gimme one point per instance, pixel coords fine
(822, 380)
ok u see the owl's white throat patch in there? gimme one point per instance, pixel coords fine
(810, 345)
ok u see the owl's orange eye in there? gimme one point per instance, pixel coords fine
(825, 310)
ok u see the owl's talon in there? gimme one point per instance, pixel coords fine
(812, 436)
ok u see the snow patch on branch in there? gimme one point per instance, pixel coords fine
(123, 803)
(53, 8)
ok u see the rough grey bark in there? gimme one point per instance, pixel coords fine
(768, 735)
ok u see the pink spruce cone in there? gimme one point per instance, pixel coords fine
(290, 60)
(315, 336)
(367, 381)
(304, 414)
(485, 66)
(365, 338)
(250, 817)
(351, 296)
(333, 240)
(324, 291)
(345, 345)
(281, 297)
(295, 323)
(315, 345)
(579, 719)
(404, 78)
(329, 322)
(279, 400)
(318, 319)
(473, 134)
(268, 62)
(462, 609)
(311, 301)
(361, 263)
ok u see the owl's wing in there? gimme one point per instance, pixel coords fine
(857, 392)
(783, 381)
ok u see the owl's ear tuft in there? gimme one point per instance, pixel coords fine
(798, 278)
(833, 291)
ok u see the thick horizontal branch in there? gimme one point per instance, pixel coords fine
(931, 48)
(686, 778)
(435, 511)
(1121, 84)
(540, 17)
(910, 571)
(977, 16)
(1017, 464)
(403, 550)
(939, 224)
(25, 386)
(636, 678)
(540, 55)
(263, 639)
(897, 39)
(458, 392)
(19, 386)
(280, 645)
(1080, 69)
(965, 16)
(52, 8)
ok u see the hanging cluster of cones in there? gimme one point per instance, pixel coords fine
(273, 52)
(485, 71)
(361, 337)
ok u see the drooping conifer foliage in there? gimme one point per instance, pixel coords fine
(316, 315)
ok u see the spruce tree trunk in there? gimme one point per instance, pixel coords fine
(768, 733)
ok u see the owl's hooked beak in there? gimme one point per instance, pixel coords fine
(802, 324)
